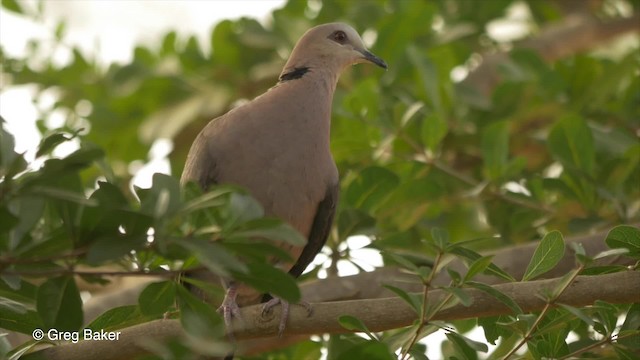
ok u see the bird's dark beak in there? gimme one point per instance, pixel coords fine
(374, 59)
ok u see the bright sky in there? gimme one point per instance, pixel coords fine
(109, 29)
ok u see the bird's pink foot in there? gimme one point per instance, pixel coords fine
(284, 316)
(229, 309)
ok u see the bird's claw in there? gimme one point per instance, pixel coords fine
(229, 309)
(284, 316)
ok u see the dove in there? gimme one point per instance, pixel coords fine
(277, 147)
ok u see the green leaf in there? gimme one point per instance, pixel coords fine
(13, 306)
(15, 288)
(12, 5)
(428, 74)
(162, 199)
(157, 298)
(455, 276)
(571, 142)
(440, 237)
(169, 43)
(72, 163)
(502, 297)
(607, 314)
(632, 318)
(465, 348)
(370, 188)
(581, 254)
(464, 298)
(424, 272)
(271, 280)
(492, 328)
(19, 351)
(409, 202)
(354, 222)
(625, 354)
(631, 324)
(120, 317)
(492, 269)
(477, 267)
(242, 208)
(562, 284)
(251, 249)
(402, 261)
(61, 194)
(112, 247)
(198, 318)
(60, 30)
(212, 198)
(59, 304)
(577, 313)
(28, 210)
(110, 195)
(612, 252)
(51, 141)
(22, 322)
(370, 350)
(352, 323)
(627, 237)
(213, 256)
(601, 270)
(434, 129)
(411, 110)
(547, 255)
(414, 300)
(495, 149)
(271, 229)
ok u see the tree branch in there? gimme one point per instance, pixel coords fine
(574, 34)
(376, 314)
(367, 285)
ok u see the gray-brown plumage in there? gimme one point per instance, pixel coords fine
(277, 147)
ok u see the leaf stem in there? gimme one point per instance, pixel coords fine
(429, 160)
(607, 340)
(48, 273)
(425, 303)
(550, 303)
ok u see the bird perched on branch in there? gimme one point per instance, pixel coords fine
(277, 147)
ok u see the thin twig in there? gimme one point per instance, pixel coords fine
(423, 312)
(607, 340)
(427, 159)
(48, 273)
(544, 311)
(11, 261)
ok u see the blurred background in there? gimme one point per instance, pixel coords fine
(497, 119)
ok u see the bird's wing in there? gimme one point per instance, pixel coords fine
(201, 165)
(319, 230)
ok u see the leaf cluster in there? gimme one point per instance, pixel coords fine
(551, 145)
(56, 233)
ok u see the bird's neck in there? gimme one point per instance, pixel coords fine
(319, 86)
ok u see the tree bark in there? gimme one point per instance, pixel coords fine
(376, 314)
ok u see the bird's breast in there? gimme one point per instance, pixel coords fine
(286, 170)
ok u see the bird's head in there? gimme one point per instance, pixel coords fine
(336, 45)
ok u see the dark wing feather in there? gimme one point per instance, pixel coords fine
(319, 230)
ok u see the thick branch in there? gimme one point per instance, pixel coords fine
(376, 314)
(512, 259)
(574, 34)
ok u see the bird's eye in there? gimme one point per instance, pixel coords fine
(340, 37)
